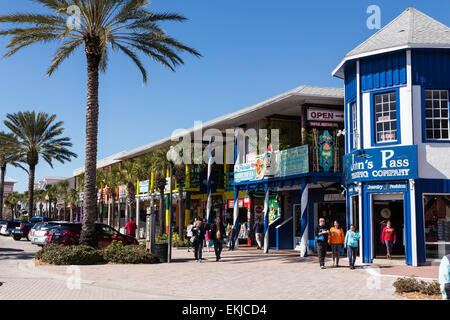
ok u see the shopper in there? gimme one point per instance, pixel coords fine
(198, 232)
(189, 234)
(444, 277)
(322, 233)
(131, 227)
(336, 240)
(351, 243)
(389, 237)
(258, 228)
(217, 234)
(231, 237)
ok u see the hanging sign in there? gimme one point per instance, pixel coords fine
(294, 161)
(316, 114)
(143, 186)
(326, 151)
(323, 124)
(378, 164)
(387, 188)
(122, 191)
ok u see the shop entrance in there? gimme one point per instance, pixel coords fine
(388, 207)
(355, 211)
(331, 212)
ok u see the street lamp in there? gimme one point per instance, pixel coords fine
(172, 156)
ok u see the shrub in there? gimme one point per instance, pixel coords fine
(69, 255)
(176, 241)
(411, 284)
(116, 252)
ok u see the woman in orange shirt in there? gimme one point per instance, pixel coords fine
(336, 239)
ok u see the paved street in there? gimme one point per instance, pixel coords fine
(243, 274)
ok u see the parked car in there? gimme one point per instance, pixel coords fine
(40, 231)
(40, 219)
(3, 228)
(69, 234)
(19, 229)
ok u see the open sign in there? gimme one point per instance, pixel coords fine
(325, 115)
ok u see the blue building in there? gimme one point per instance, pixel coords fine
(397, 162)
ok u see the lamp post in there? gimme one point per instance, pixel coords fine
(172, 157)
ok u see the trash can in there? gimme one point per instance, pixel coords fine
(161, 251)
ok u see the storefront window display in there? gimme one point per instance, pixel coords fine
(437, 225)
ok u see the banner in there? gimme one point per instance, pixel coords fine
(294, 161)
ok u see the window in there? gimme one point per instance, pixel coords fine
(354, 132)
(436, 114)
(385, 117)
(437, 225)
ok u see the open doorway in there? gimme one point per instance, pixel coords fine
(388, 207)
(332, 211)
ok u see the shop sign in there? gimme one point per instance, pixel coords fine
(323, 124)
(143, 186)
(122, 191)
(326, 151)
(353, 190)
(378, 164)
(325, 115)
(231, 203)
(294, 161)
(333, 197)
(244, 172)
(387, 188)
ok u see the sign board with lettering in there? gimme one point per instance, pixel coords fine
(320, 115)
(380, 164)
(387, 188)
(143, 186)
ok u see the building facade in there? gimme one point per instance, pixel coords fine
(397, 138)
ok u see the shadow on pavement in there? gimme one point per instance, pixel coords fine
(10, 250)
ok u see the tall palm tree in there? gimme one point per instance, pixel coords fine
(8, 156)
(159, 166)
(128, 175)
(63, 190)
(12, 199)
(39, 196)
(112, 180)
(72, 198)
(52, 194)
(38, 136)
(102, 25)
(180, 177)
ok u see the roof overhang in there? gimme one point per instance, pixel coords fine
(339, 70)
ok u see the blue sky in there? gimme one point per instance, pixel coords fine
(252, 50)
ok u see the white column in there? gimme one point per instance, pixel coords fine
(304, 221)
(266, 220)
(360, 214)
(137, 217)
(413, 231)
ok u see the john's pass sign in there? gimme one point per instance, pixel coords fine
(378, 164)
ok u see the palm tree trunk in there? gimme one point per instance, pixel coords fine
(31, 190)
(2, 189)
(161, 213)
(180, 212)
(88, 236)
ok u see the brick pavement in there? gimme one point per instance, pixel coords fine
(243, 274)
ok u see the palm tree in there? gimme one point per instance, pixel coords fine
(72, 198)
(180, 177)
(128, 176)
(12, 199)
(100, 183)
(102, 25)
(63, 190)
(8, 156)
(52, 194)
(112, 181)
(159, 166)
(39, 196)
(38, 136)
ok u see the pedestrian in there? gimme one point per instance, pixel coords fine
(389, 238)
(351, 243)
(444, 277)
(258, 228)
(217, 234)
(231, 237)
(322, 233)
(336, 239)
(189, 235)
(131, 227)
(198, 234)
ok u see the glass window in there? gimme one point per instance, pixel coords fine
(436, 114)
(386, 117)
(354, 125)
(437, 225)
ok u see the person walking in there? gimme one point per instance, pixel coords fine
(217, 234)
(322, 233)
(336, 239)
(231, 237)
(258, 228)
(351, 243)
(389, 238)
(198, 232)
(131, 227)
(189, 235)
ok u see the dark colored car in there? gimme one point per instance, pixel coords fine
(69, 234)
(19, 229)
